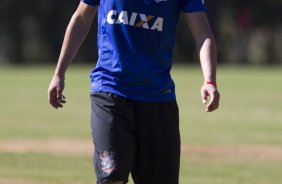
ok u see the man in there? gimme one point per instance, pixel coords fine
(134, 115)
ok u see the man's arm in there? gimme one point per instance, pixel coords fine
(76, 32)
(206, 48)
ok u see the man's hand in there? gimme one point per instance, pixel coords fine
(210, 90)
(55, 92)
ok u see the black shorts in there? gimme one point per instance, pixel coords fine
(141, 138)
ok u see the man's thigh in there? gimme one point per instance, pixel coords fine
(157, 143)
(112, 127)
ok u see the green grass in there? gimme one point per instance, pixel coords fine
(46, 168)
(250, 114)
(54, 169)
(250, 109)
(230, 172)
(25, 112)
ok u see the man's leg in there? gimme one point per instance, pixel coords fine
(112, 125)
(157, 144)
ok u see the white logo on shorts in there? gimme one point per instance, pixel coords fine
(107, 162)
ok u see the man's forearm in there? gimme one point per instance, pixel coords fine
(205, 43)
(208, 57)
(74, 36)
(76, 32)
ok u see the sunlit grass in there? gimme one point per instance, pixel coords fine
(250, 114)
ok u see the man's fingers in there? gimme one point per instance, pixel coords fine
(53, 98)
(210, 91)
(212, 107)
(59, 93)
(204, 96)
(60, 97)
(55, 92)
(204, 100)
(213, 104)
(212, 101)
(56, 98)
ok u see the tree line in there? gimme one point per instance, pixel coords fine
(31, 32)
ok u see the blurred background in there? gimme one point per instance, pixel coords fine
(241, 143)
(247, 32)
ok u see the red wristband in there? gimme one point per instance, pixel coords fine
(211, 83)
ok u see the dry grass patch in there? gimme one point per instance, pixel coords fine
(85, 147)
(55, 146)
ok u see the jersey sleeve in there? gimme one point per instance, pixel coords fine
(91, 2)
(189, 6)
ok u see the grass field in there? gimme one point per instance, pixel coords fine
(241, 143)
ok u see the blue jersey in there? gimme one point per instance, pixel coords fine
(135, 47)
